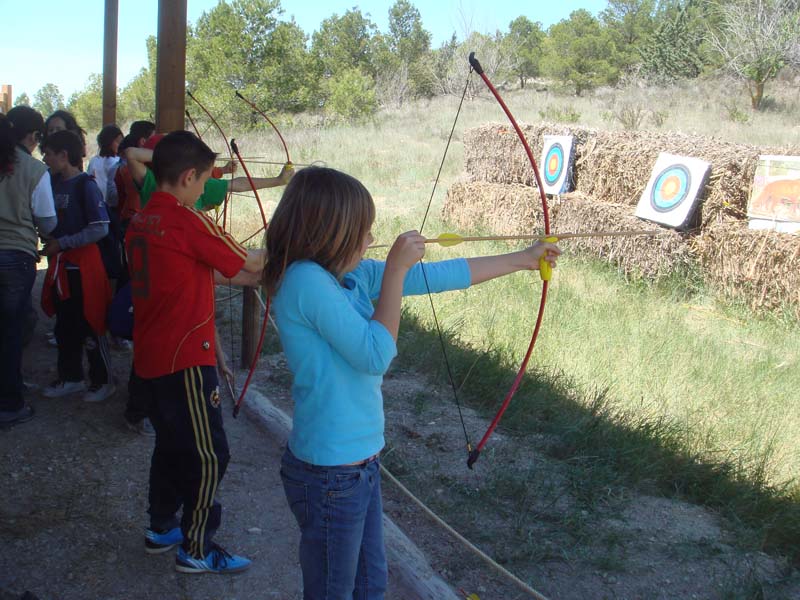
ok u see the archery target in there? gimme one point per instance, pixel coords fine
(672, 193)
(556, 165)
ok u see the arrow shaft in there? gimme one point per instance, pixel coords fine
(559, 236)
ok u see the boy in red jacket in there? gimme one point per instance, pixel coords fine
(173, 251)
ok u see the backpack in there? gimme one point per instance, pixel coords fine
(120, 313)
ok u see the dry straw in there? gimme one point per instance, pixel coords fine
(497, 194)
(614, 166)
(515, 210)
(761, 268)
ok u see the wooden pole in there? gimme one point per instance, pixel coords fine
(171, 66)
(6, 99)
(110, 62)
(251, 311)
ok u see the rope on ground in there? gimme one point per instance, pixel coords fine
(475, 550)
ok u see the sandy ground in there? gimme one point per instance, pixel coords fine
(74, 483)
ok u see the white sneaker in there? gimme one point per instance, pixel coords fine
(122, 344)
(63, 388)
(98, 393)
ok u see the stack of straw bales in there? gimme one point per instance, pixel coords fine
(497, 194)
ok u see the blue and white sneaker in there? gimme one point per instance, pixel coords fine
(216, 561)
(158, 542)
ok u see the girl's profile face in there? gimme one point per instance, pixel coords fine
(115, 144)
(56, 124)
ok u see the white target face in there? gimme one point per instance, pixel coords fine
(556, 165)
(671, 195)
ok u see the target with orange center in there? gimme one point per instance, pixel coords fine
(671, 187)
(553, 164)
(556, 164)
(673, 191)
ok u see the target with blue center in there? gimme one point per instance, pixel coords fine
(672, 194)
(557, 159)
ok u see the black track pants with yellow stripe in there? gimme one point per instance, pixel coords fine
(190, 455)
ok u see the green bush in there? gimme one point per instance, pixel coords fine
(560, 114)
(351, 96)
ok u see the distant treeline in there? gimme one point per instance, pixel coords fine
(348, 68)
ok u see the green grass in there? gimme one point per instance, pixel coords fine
(659, 386)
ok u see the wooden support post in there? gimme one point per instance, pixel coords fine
(110, 62)
(251, 311)
(171, 66)
(6, 99)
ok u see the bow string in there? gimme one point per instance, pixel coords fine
(545, 271)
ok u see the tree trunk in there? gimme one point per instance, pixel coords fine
(756, 89)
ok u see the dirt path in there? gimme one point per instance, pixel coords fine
(567, 540)
(74, 483)
(75, 496)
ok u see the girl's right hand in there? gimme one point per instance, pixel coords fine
(407, 250)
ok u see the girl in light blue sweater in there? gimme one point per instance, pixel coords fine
(338, 343)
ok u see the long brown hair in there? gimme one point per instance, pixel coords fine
(323, 216)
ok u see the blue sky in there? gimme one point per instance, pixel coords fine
(54, 41)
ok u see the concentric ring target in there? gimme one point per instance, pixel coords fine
(554, 164)
(670, 188)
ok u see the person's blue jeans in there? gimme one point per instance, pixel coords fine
(17, 274)
(340, 514)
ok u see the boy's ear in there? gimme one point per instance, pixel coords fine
(188, 177)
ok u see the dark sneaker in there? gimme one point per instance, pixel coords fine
(157, 542)
(216, 561)
(142, 427)
(14, 417)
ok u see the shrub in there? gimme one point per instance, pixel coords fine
(566, 114)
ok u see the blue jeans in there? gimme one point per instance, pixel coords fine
(17, 274)
(340, 514)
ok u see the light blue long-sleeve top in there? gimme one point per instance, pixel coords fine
(338, 354)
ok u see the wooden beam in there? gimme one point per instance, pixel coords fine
(171, 65)
(110, 62)
(251, 313)
(6, 99)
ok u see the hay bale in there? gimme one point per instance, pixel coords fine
(642, 257)
(614, 166)
(756, 267)
(513, 209)
(493, 153)
(618, 167)
(500, 209)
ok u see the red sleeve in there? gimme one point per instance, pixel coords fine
(213, 246)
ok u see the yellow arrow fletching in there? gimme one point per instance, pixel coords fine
(448, 239)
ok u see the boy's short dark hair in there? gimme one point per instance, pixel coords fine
(178, 152)
(66, 141)
(141, 129)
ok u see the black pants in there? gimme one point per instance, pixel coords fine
(190, 455)
(17, 273)
(73, 333)
(138, 404)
